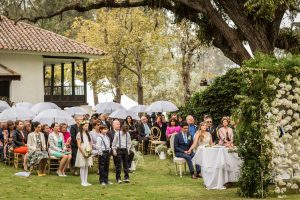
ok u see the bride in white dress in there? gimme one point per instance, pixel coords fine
(202, 137)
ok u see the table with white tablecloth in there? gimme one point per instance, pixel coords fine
(218, 166)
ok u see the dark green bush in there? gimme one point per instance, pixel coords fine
(217, 100)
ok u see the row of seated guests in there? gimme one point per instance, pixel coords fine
(44, 141)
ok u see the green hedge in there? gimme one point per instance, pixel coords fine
(217, 100)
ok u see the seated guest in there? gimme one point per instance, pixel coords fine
(121, 146)
(103, 147)
(144, 130)
(182, 143)
(64, 130)
(46, 132)
(211, 129)
(162, 127)
(1, 144)
(27, 128)
(192, 127)
(37, 154)
(19, 141)
(172, 128)
(94, 134)
(132, 128)
(8, 137)
(225, 133)
(104, 121)
(163, 119)
(202, 137)
(93, 120)
(58, 149)
(180, 120)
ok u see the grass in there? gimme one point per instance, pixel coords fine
(154, 180)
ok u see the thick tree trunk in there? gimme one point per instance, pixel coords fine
(139, 74)
(95, 93)
(186, 75)
(140, 91)
(118, 95)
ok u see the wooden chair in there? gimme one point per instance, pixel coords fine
(141, 147)
(18, 160)
(52, 164)
(9, 158)
(155, 139)
(177, 161)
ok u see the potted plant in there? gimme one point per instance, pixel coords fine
(161, 150)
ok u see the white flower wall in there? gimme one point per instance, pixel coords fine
(285, 115)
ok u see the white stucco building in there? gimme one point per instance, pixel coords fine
(28, 58)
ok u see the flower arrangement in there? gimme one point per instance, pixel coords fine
(161, 148)
(88, 152)
(134, 143)
(170, 153)
(138, 158)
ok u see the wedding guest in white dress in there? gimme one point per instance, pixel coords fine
(83, 157)
(202, 137)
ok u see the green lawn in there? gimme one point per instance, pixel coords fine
(154, 180)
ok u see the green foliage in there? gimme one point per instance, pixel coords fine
(256, 96)
(217, 100)
(266, 9)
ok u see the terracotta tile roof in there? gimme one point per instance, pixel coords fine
(26, 37)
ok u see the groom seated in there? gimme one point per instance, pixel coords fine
(182, 142)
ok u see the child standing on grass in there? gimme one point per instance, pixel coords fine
(121, 146)
(83, 158)
(103, 147)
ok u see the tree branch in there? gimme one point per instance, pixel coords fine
(129, 69)
(77, 6)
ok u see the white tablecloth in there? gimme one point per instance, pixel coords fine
(217, 166)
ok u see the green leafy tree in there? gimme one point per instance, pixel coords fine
(227, 25)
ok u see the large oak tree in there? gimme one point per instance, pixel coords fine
(226, 24)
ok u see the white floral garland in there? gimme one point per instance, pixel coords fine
(284, 112)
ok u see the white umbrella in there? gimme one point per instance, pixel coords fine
(108, 107)
(76, 111)
(16, 113)
(54, 115)
(139, 108)
(3, 105)
(123, 113)
(39, 107)
(162, 106)
(24, 104)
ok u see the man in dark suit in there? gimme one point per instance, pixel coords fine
(182, 143)
(74, 129)
(211, 129)
(116, 128)
(103, 121)
(144, 131)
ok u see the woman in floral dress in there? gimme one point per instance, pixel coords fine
(37, 154)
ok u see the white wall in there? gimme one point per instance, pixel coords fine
(31, 87)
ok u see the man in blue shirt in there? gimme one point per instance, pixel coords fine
(192, 127)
